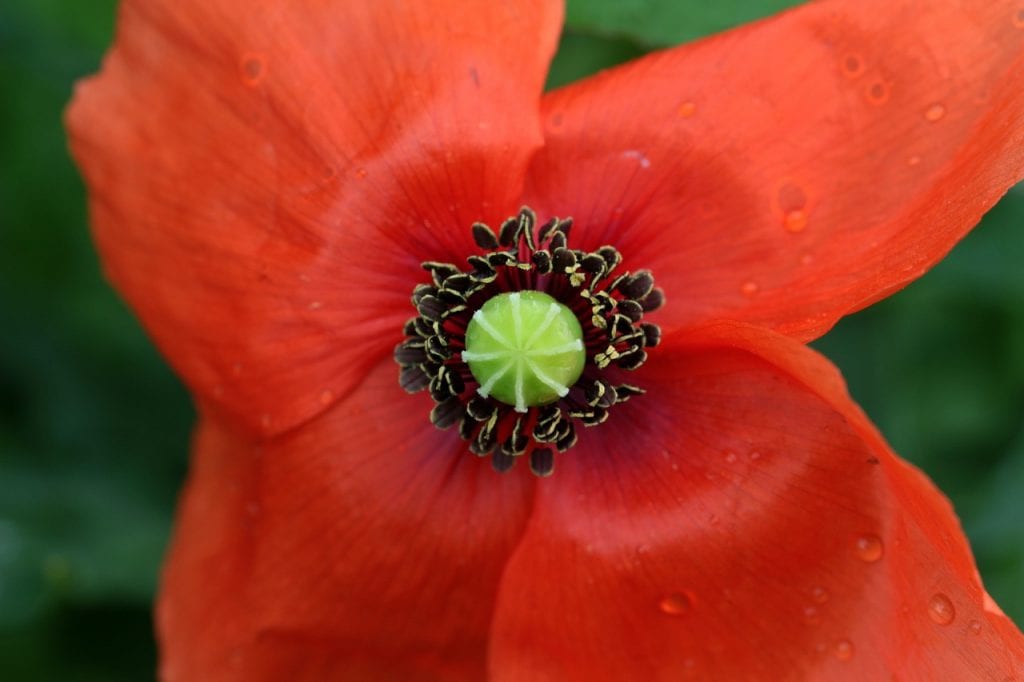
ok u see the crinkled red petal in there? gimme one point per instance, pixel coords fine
(365, 545)
(744, 521)
(797, 169)
(266, 177)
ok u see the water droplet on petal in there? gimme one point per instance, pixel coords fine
(975, 627)
(811, 615)
(877, 92)
(913, 160)
(749, 289)
(940, 609)
(638, 156)
(870, 548)
(754, 456)
(843, 650)
(819, 595)
(687, 109)
(934, 112)
(361, 173)
(252, 68)
(730, 457)
(852, 66)
(315, 305)
(795, 221)
(326, 396)
(806, 259)
(675, 604)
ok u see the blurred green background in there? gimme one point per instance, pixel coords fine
(94, 428)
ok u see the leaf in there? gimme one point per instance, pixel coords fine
(659, 23)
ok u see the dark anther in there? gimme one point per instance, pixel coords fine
(508, 234)
(631, 309)
(542, 259)
(558, 240)
(480, 409)
(486, 438)
(502, 461)
(652, 334)
(500, 259)
(413, 379)
(431, 308)
(634, 359)
(542, 461)
(422, 290)
(637, 285)
(563, 260)
(595, 392)
(626, 391)
(611, 256)
(653, 300)
(440, 271)
(567, 438)
(410, 353)
(523, 255)
(546, 229)
(593, 264)
(444, 415)
(484, 237)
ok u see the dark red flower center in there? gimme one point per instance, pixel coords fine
(531, 338)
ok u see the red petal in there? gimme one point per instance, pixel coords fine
(267, 177)
(797, 169)
(365, 545)
(755, 527)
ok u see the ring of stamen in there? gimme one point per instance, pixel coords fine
(528, 342)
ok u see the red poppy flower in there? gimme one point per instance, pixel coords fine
(266, 180)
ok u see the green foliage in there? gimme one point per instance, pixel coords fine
(659, 23)
(94, 427)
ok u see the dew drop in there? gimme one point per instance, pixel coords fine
(749, 289)
(687, 109)
(870, 548)
(361, 173)
(852, 66)
(326, 396)
(940, 609)
(638, 156)
(975, 627)
(315, 305)
(806, 259)
(811, 615)
(795, 221)
(877, 92)
(252, 68)
(730, 457)
(913, 160)
(675, 604)
(843, 650)
(819, 595)
(754, 456)
(935, 112)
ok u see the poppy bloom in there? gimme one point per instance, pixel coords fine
(268, 180)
